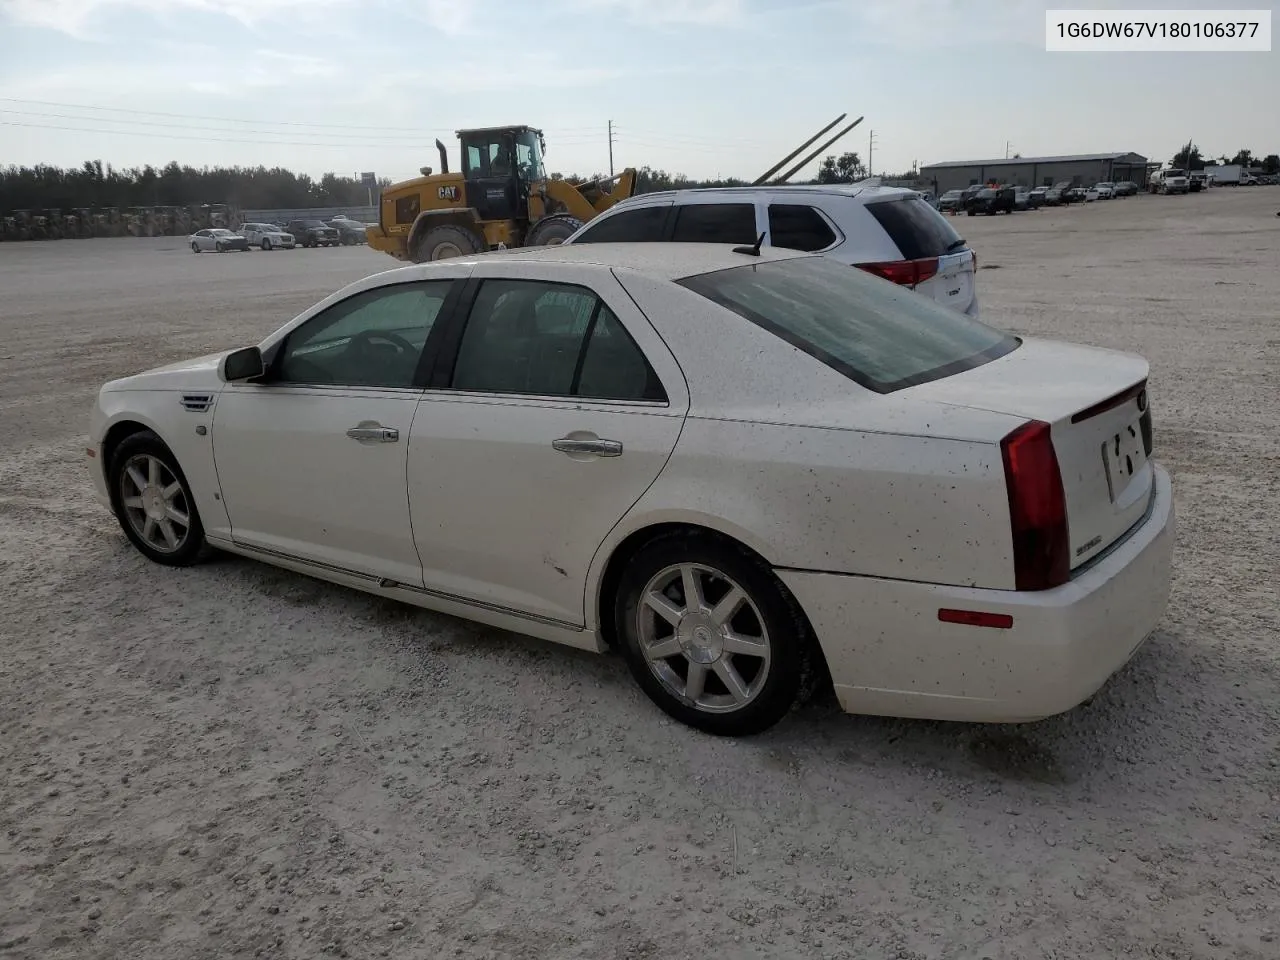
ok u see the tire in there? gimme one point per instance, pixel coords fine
(195, 247)
(444, 242)
(219, 248)
(141, 470)
(266, 244)
(552, 230)
(767, 685)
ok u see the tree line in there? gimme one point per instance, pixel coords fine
(98, 185)
(1189, 157)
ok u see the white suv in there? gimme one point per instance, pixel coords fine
(266, 236)
(891, 232)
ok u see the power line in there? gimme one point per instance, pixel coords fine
(279, 123)
(178, 136)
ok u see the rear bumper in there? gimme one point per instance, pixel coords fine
(889, 654)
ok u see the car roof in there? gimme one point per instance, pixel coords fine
(865, 193)
(664, 261)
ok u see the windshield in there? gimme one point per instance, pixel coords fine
(878, 334)
(951, 194)
(222, 233)
(529, 156)
(1174, 173)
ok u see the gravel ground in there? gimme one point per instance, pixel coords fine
(236, 761)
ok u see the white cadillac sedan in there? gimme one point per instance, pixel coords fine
(730, 464)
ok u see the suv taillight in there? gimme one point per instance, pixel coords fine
(1037, 508)
(906, 272)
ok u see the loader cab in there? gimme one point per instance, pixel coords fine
(499, 164)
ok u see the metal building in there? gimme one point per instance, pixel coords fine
(1082, 170)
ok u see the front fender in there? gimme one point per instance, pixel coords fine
(163, 413)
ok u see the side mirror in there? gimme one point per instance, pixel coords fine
(243, 365)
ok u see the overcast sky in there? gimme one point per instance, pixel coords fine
(703, 87)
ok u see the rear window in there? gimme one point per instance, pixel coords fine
(918, 230)
(798, 227)
(629, 226)
(876, 333)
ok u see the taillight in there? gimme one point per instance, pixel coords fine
(1037, 508)
(905, 272)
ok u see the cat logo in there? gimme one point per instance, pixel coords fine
(448, 193)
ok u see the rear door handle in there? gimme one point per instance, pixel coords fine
(593, 446)
(370, 431)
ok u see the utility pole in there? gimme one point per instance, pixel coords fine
(1006, 149)
(871, 146)
(611, 148)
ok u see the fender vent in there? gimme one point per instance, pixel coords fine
(197, 402)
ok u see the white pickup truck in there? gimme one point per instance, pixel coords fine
(1170, 180)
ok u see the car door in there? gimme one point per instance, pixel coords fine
(204, 240)
(553, 406)
(311, 461)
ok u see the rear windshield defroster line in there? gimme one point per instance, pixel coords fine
(881, 336)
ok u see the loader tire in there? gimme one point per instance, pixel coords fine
(552, 230)
(441, 243)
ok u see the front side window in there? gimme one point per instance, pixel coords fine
(372, 339)
(643, 224)
(549, 339)
(876, 333)
(798, 227)
(715, 223)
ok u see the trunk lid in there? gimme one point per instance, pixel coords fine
(1095, 402)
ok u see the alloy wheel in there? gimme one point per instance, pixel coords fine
(703, 638)
(155, 503)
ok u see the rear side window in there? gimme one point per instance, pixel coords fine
(715, 223)
(876, 333)
(798, 227)
(630, 226)
(918, 230)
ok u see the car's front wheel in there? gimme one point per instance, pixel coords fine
(153, 501)
(195, 247)
(710, 634)
(266, 243)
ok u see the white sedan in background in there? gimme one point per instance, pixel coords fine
(217, 239)
(726, 463)
(267, 236)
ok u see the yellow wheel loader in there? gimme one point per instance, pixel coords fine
(501, 195)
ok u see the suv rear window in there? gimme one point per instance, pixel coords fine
(876, 333)
(630, 226)
(918, 230)
(798, 227)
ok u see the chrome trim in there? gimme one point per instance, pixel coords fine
(373, 432)
(510, 399)
(196, 402)
(1125, 537)
(598, 447)
(384, 583)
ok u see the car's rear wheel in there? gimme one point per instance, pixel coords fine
(266, 243)
(153, 501)
(710, 634)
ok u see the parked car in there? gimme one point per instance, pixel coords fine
(216, 239)
(950, 201)
(1038, 195)
(888, 231)
(991, 200)
(950, 521)
(1076, 195)
(1125, 188)
(267, 236)
(1021, 198)
(350, 232)
(1105, 190)
(313, 233)
(1053, 197)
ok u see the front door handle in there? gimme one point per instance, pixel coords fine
(589, 446)
(370, 431)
